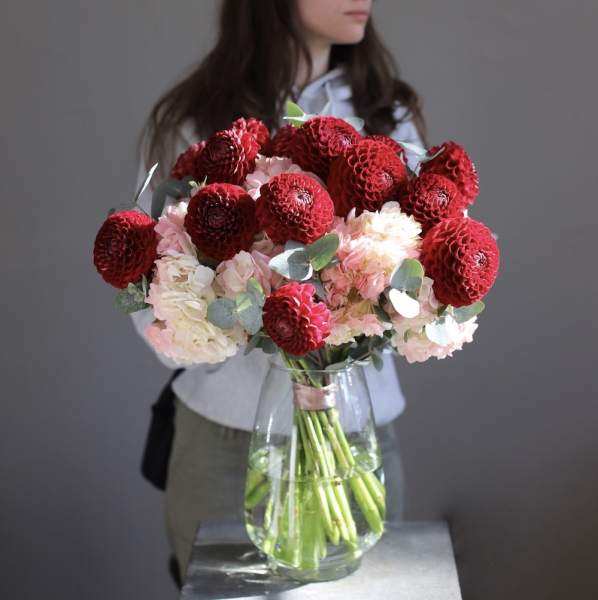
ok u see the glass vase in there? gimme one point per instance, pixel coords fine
(315, 497)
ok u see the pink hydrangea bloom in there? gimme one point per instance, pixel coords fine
(171, 231)
(418, 347)
(268, 167)
(352, 320)
(233, 275)
(370, 247)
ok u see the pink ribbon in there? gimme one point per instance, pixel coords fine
(307, 397)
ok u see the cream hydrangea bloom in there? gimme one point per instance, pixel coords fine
(180, 293)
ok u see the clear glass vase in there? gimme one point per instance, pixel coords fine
(315, 498)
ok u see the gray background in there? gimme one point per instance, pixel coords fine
(500, 440)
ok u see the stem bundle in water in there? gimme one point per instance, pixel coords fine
(325, 500)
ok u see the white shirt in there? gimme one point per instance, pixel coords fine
(228, 392)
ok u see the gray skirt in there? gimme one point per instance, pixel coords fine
(207, 470)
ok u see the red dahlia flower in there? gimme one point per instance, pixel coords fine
(262, 135)
(319, 141)
(187, 163)
(389, 142)
(430, 198)
(461, 256)
(229, 156)
(294, 321)
(125, 248)
(293, 206)
(365, 176)
(454, 163)
(221, 220)
(280, 144)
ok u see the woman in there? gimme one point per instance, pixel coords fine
(314, 52)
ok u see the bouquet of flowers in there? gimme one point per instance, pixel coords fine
(323, 246)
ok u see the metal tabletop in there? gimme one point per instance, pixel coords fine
(412, 561)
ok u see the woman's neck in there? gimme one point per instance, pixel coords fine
(320, 61)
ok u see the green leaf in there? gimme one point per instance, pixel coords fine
(145, 183)
(442, 309)
(136, 292)
(382, 314)
(249, 312)
(293, 110)
(222, 313)
(254, 287)
(268, 346)
(292, 264)
(422, 158)
(122, 208)
(404, 304)
(253, 343)
(335, 260)
(355, 122)
(319, 288)
(126, 302)
(170, 188)
(206, 260)
(293, 245)
(464, 313)
(407, 276)
(377, 362)
(441, 331)
(321, 251)
(340, 366)
(187, 187)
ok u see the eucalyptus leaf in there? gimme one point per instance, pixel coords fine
(253, 343)
(382, 314)
(249, 312)
(335, 260)
(293, 245)
(254, 287)
(136, 293)
(187, 188)
(293, 110)
(126, 302)
(407, 276)
(169, 188)
(268, 346)
(464, 313)
(427, 156)
(417, 150)
(292, 264)
(122, 208)
(222, 313)
(377, 362)
(340, 366)
(404, 304)
(355, 122)
(322, 250)
(144, 285)
(145, 183)
(438, 332)
(319, 288)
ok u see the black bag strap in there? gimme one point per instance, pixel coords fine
(158, 444)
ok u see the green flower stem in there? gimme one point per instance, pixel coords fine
(304, 364)
(367, 505)
(327, 474)
(331, 528)
(366, 493)
(339, 492)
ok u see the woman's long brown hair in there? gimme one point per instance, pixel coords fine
(251, 72)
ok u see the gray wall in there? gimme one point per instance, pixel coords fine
(500, 440)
